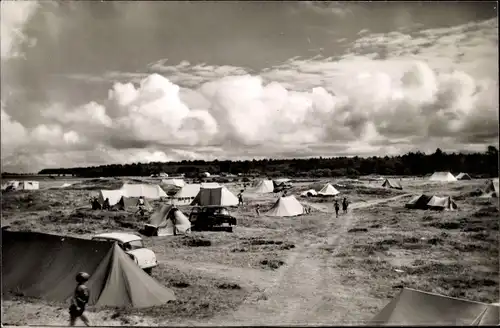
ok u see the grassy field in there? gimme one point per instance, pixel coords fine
(339, 270)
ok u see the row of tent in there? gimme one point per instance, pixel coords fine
(327, 190)
(21, 185)
(427, 202)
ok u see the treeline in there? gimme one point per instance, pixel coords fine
(416, 164)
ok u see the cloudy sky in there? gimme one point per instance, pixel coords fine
(91, 83)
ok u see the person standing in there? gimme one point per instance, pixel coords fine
(345, 204)
(240, 198)
(80, 299)
(337, 208)
(257, 209)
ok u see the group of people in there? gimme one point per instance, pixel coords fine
(345, 205)
(141, 205)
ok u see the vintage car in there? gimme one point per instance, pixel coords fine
(134, 247)
(208, 218)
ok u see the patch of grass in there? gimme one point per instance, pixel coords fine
(272, 264)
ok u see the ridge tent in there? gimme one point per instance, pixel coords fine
(463, 176)
(390, 183)
(491, 189)
(308, 193)
(161, 222)
(44, 266)
(174, 182)
(263, 187)
(114, 196)
(419, 202)
(215, 196)
(328, 190)
(186, 194)
(286, 206)
(441, 203)
(146, 190)
(442, 177)
(413, 307)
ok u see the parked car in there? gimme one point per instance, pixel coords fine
(208, 218)
(134, 247)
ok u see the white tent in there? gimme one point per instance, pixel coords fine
(210, 185)
(162, 221)
(263, 187)
(442, 177)
(215, 196)
(174, 182)
(186, 194)
(146, 190)
(29, 185)
(328, 190)
(280, 181)
(114, 196)
(205, 174)
(286, 206)
(463, 176)
(307, 193)
(442, 203)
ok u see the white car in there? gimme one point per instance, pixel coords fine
(134, 247)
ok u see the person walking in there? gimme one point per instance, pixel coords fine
(345, 204)
(240, 198)
(80, 299)
(337, 208)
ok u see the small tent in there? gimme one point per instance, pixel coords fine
(115, 280)
(145, 190)
(281, 181)
(463, 176)
(286, 206)
(186, 194)
(215, 196)
(168, 221)
(391, 183)
(174, 182)
(491, 188)
(417, 308)
(29, 185)
(328, 190)
(309, 193)
(263, 187)
(442, 177)
(419, 202)
(441, 203)
(205, 174)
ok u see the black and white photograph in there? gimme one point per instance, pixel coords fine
(249, 163)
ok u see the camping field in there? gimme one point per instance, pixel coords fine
(310, 269)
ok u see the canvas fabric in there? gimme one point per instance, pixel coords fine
(286, 206)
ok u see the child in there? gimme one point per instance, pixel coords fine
(80, 300)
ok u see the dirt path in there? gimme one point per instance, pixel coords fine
(308, 290)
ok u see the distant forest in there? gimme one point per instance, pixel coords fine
(414, 164)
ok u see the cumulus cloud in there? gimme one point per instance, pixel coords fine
(358, 104)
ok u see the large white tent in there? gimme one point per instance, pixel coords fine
(286, 206)
(264, 187)
(328, 190)
(149, 191)
(442, 177)
(173, 182)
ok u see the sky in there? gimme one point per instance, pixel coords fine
(91, 83)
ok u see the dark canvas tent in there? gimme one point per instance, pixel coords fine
(390, 183)
(44, 266)
(131, 202)
(413, 307)
(161, 223)
(419, 202)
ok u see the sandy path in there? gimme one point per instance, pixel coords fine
(308, 290)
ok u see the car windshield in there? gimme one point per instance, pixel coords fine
(134, 244)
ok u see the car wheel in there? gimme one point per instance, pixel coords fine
(149, 271)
